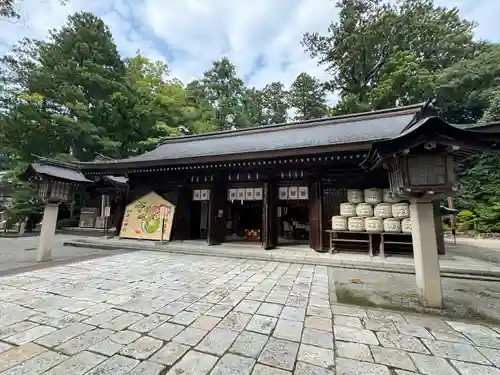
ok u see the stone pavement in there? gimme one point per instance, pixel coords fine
(18, 254)
(151, 313)
(450, 264)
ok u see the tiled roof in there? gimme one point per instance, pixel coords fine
(62, 172)
(339, 130)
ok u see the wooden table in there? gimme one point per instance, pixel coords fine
(383, 241)
(334, 238)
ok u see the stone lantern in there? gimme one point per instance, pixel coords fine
(421, 169)
(53, 193)
(55, 181)
(423, 174)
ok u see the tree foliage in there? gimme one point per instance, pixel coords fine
(307, 97)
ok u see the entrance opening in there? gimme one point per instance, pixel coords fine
(293, 219)
(245, 221)
(199, 220)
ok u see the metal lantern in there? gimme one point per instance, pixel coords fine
(54, 191)
(421, 174)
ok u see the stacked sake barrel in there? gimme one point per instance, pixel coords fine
(372, 210)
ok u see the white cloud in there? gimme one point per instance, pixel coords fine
(197, 32)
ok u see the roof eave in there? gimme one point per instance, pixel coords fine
(124, 164)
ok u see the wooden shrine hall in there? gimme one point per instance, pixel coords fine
(271, 183)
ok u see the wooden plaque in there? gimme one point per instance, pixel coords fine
(283, 193)
(232, 195)
(257, 194)
(205, 195)
(303, 192)
(240, 194)
(197, 195)
(249, 194)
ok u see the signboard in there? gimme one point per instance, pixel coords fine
(143, 218)
(107, 211)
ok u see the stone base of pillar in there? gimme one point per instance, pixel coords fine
(47, 232)
(425, 252)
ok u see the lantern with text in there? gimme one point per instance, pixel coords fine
(54, 191)
(422, 175)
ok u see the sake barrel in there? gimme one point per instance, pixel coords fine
(406, 225)
(355, 196)
(347, 209)
(373, 196)
(356, 224)
(339, 223)
(383, 210)
(400, 210)
(392, 225)
(390, 197)
(374, 224)
(364, 210)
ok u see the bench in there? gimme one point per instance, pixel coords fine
(334, 238)
(384, 242)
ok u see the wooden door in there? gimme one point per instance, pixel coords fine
(269, 234)
(183, 214)
(316, 216)
(217, 214)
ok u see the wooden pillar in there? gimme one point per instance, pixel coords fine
(438, 225)
(182, 216)
(121, 204)
(316, 232)
(217, 213)
(269, 234)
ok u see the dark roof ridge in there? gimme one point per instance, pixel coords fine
(58, 163)
(297, 124)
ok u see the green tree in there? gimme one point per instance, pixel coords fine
(147, 108)
(63, 87)
(253, 108)
(374, 39)
(225, 93)
(199, 113)
(307, 96)
(467, 89)
(275, 103)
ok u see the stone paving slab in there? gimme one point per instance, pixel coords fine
(449, 264)
(147, 313)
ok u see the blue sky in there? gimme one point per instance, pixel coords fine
(261, 37)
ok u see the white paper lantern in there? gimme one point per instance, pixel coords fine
(347, 209)
(400, 210)
(339, 223)
(364, 210)
(355, 196)
(406, 225)
(374, 224)
(373, 196)
(383, 210)
(392, 225)
(390, 197)
(356, 224)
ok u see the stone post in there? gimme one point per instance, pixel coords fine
(47, 232)
(425, 252)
